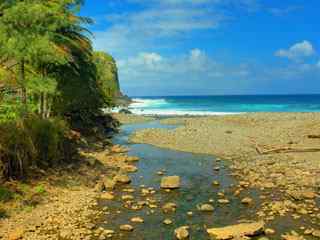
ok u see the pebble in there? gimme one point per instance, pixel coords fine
(167, 221)
(126, 227)
(182, 232)
(137, 220)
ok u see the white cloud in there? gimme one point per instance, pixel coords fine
(297, 51)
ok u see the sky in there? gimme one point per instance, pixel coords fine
(210, 47)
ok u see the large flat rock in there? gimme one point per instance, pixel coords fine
(239, 230)
(170, 182)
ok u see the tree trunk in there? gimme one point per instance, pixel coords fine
(42, 114)
(23, 85)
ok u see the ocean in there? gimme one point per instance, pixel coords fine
(222, 105)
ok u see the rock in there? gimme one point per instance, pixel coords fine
(239, 230)
(108, 232)
(169, 207)
(205, 208)
(246, 200)
(132, 159)
(215, 183)
(16, 234)
(99, 187)
(107, 196)
(292, 236)
(129, 168)
(167, 221)
(126, 228)
(316, 233)
(109, 183)
(127, 197)
(170, 182)
(123, 179)
(223, 201)
(269, 231)
(118, 149)
(309, 194)
(182, 232)
(137, 220)
(65, 234)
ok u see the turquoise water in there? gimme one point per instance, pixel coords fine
(213, 105)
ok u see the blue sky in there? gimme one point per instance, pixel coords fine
(209, 47)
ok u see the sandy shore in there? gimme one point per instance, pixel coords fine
(132, 118)
(237, 138)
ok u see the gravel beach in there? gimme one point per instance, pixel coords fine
(245, 140)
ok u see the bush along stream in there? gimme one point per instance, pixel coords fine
(182, 195)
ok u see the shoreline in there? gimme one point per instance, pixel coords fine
(235, 138)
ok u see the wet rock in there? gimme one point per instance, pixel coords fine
(118, 149)
(292, 236)
(126, 228)
(246, 200)
(215, 183)
(170, 182)
(123, 179)
(205, 208)
(167, 221)
(190, 214)
(223, 201)
(127, 197)
(169, 207)
(239, 230)
(181, 233)
(132, 159)
(269, 231)
(137, 220)
(129, 168)
(107, 196)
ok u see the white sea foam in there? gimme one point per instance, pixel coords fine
(176, 112)
(144, 103)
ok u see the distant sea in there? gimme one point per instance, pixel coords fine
(222, 105)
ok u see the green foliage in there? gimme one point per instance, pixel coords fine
(40, 189)
(107, 76)
(3, 212)
(5, 194)
(33, 142)
(48, 72)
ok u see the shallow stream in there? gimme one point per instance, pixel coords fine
(197, 172)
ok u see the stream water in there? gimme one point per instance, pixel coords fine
(197, 174)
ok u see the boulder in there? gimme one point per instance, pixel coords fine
(239, 230)
(170, 182)
(182, 232)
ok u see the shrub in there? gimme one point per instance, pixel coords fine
(33, 142)
(5, 194)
